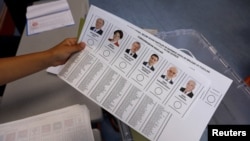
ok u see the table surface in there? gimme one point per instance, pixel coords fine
(43, 92)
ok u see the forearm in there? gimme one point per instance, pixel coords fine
(13, 68)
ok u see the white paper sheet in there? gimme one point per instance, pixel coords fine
(68, 124)
(48, 16)
(136, 95)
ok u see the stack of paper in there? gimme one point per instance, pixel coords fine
(68, 124)
(48, 16)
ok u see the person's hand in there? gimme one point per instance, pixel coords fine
(62, 52)
(13, 68)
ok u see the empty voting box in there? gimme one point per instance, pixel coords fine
(234, 108)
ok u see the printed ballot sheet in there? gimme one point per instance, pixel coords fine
(67, 124)
(148, 84)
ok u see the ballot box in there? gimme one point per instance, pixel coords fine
(234, 108)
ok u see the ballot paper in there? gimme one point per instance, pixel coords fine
(48, 16)
(137, 93)
(67, 124)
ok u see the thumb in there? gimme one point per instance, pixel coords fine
(79, 47)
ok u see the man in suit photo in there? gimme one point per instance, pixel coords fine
(189, 88)
(170, 74)
(98, 26)
(132, 51)
(152, 60)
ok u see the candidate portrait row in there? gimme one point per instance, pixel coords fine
(171, 72)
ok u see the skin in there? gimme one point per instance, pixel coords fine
(135, 47)
(99, 23)
(152, 60)
(13, 68)
(190, 86)
(171, 72)
(116, 37)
